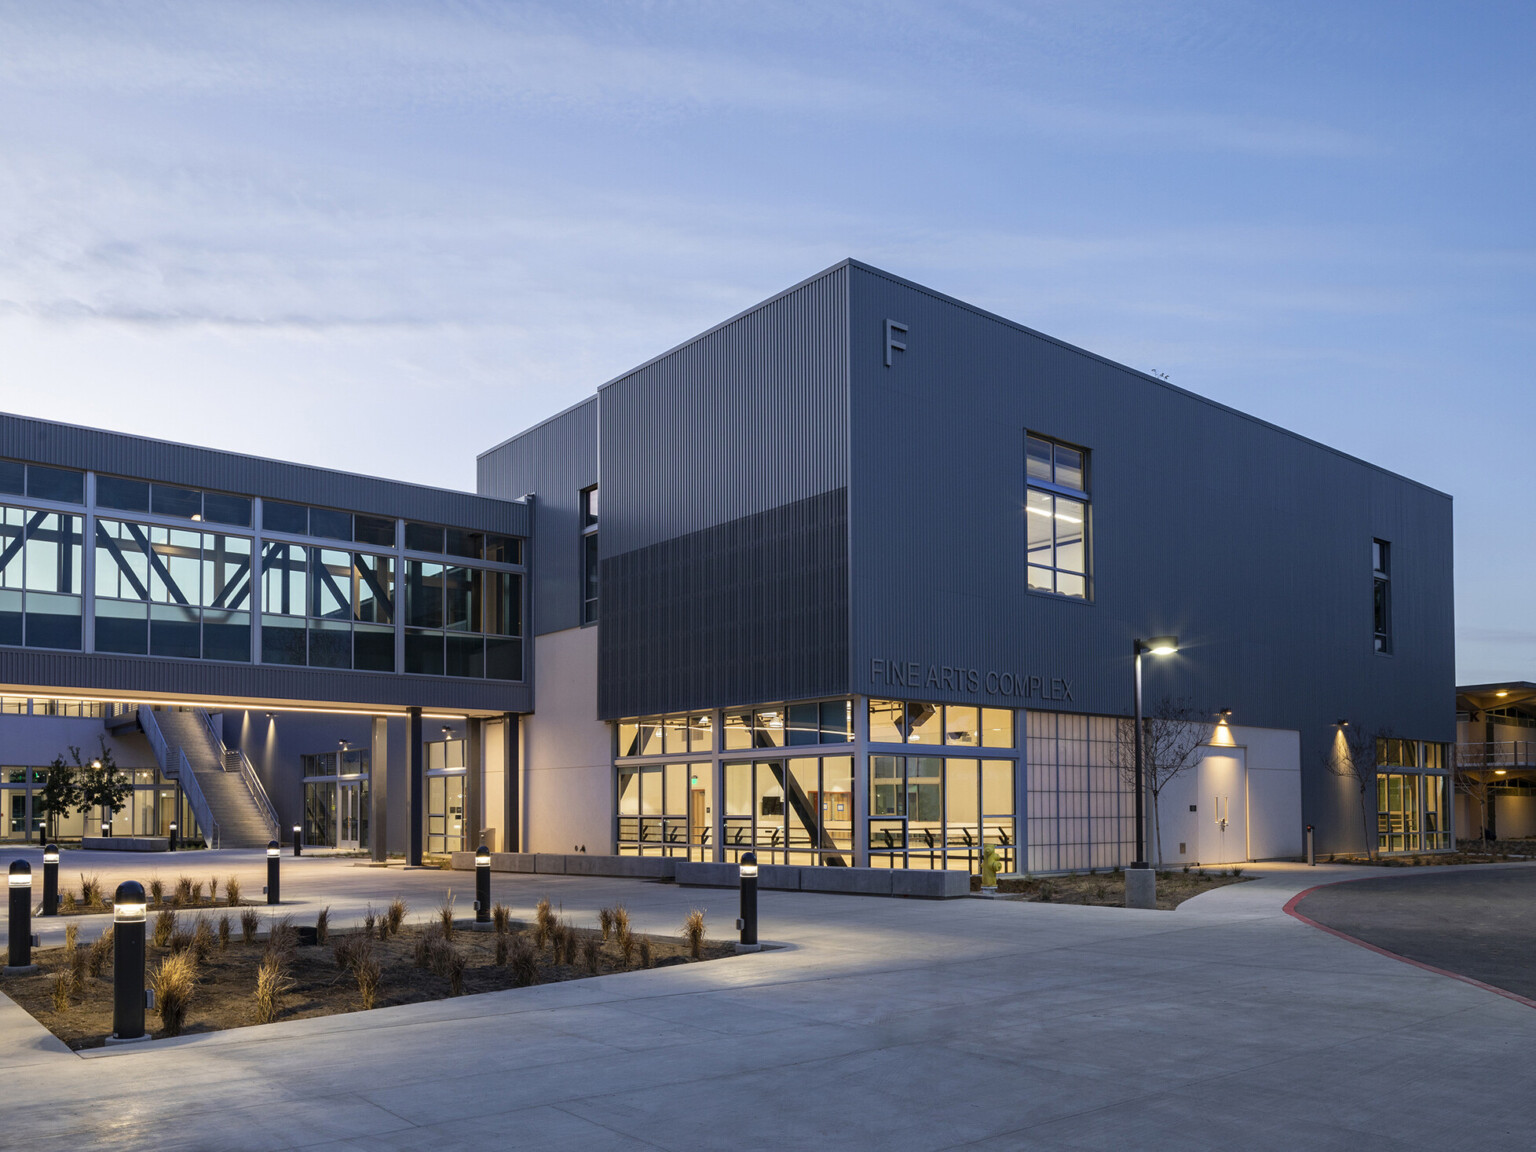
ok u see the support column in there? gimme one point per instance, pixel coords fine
(512, 751)
(378, 789)
(474, 782)
(416, 786)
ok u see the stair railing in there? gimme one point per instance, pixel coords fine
(242, 764)
(180, 771)
(194, 794)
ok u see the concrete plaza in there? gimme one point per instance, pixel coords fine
(881, 1023)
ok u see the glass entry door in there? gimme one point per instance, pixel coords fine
(351, 817)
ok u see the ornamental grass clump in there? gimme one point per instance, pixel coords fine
(591, 951)
(174, 981)
(250, 920)
(525, 963)
(90, 891)
(646, 957)
(282, 939)
(157, 892)
(628, 945)
(183, 895)
(61, 991)
(202, 940)
(323, 924)
(67, 901)
(71, 938)
(453, 964)
(77, 973)
(426, 944)
(445, 916)
(620, 919)
(605, 922)
(100, 951)
(543, 923)
(693, 932)
(232, 891)
(224, 932)
(213, 889)
(502, 950)
(369, 920)
(271, 982)
(394, 918)
(165, 926)
(181, 939)
(501, 919)
(369, 975)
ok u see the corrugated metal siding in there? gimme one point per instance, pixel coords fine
(1252, 544)
(749, 416)
(68, 446)
(555, 461)
(63, 671)
(752, 610)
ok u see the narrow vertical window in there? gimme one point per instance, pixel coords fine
(589, 554)
(1381, 562)
(1056, 518)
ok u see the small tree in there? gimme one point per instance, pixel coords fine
(101, 784)
(60, 793)
(1472, 772)
(1172, 733)
(1352, 757)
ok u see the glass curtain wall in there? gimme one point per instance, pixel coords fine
(152, 804)
(336, 798)
(790, 811)
(667, 810)
(940, 812)
(40, 579)
(1412, 809)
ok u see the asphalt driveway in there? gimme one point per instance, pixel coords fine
(1479, 922)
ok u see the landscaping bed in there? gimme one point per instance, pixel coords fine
(1469, 852)
(214, 979)
(92, 897)
(1107, 889)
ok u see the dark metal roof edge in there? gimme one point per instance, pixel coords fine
(318, 473)
(532, 428)
(937, 295)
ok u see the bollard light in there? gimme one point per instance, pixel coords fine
(482, 887)
(298, 840)
(1311, 855)
(128, 912)
(172, 843)
(274, 854)
(50, 880)
(19, 927)
(748, 921)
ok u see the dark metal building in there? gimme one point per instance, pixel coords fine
(864, 490)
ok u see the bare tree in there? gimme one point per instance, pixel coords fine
(1352, 757)
(1472, 772)
(1172, 733)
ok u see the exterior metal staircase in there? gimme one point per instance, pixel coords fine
(220, 783)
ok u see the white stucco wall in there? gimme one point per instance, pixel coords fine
(1267, 812)
(567, 752)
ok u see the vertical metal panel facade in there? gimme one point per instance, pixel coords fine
(554, 460)
(1250, 543)
(751, 415)
(724, 517)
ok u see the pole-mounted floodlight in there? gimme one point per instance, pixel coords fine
(1157, 646)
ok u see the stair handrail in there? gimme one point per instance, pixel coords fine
(258, 793)
(194, 794)
(248, 776)
(151, 728)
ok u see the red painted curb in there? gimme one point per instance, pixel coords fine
(1290, 910)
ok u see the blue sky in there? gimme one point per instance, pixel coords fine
(383, 237)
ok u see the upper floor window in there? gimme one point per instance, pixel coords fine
(1056, 515)
(589, 554)
(1381, 562)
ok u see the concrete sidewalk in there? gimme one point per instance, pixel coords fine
(886, 1023)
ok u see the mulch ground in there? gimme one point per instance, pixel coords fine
(1468, 852)
(1107, 889)
(226, 983)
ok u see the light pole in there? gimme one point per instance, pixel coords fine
(1140, 880)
